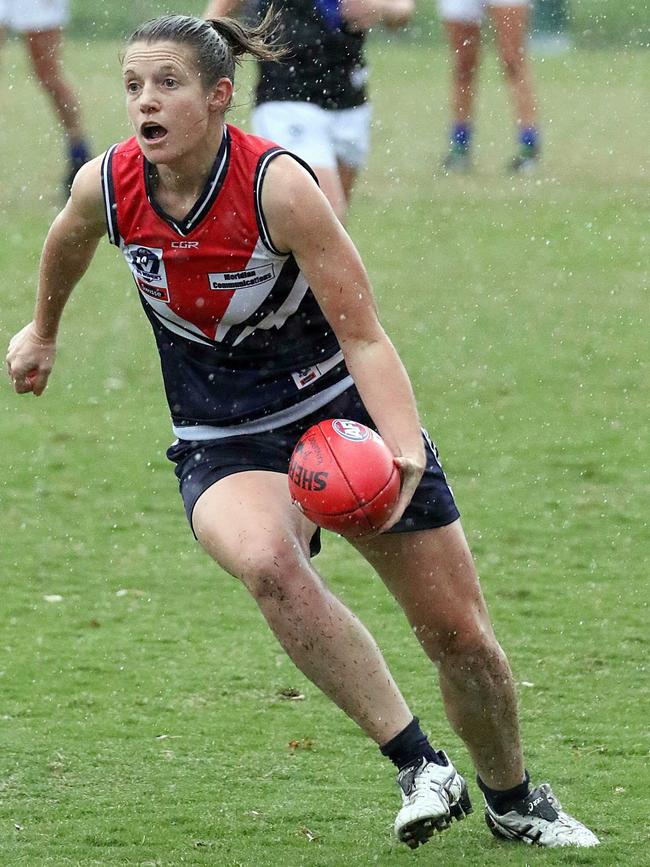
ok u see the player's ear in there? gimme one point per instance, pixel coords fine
(220, 95)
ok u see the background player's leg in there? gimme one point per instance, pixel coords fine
(333, 185)
(511, 34)
(348, 177)
(431, 574)
(464, 39)
(264, 541)
(45, 52)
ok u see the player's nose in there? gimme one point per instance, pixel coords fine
(149, 100)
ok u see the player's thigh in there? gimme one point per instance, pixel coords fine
(465, 11)
(510, 22)
(432, 575)
(347, 177)
(248, 524)
(45, 51)
(464, 40)
(350, 131)
(27, 16)
(329, 180)
(300, 127)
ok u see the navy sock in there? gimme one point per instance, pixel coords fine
(410, 746)
(78, 152)
(461, 134)
(529, 137)
(502, 800)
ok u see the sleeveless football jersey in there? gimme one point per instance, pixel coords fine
(243, 344)
(325, 63)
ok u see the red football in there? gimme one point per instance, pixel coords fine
(342, 476)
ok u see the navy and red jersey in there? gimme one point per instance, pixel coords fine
(244, 346)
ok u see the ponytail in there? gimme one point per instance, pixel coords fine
(260, 41)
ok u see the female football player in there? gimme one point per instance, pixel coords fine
(249, 281)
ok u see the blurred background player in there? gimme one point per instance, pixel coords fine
(41, 23)
(463, 19)
(314, 102)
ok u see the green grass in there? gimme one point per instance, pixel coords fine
(591, 22)
(147, 726)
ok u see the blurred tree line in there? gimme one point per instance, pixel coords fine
(590, 23)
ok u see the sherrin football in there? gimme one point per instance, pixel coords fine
(342, 476)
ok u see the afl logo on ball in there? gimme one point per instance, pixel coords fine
(351, 430)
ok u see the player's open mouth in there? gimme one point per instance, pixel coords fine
(153, 131)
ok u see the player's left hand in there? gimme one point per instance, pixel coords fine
(30, 358)
(411, 471)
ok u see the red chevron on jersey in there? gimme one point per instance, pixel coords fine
(189, 270)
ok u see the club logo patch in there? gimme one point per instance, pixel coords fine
(351, 430)
(148, 269)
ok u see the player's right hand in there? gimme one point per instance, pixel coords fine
(30, 358)
(411, 471)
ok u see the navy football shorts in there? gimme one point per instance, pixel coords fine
(200, 464)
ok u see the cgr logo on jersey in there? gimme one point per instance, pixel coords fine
(148, 269)
(351, 430)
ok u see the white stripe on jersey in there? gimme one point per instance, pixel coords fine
(218, 178)
(202, 432)
(111, 216)
(246, 300)
(176, 324)
(259, 180)
(289, 306)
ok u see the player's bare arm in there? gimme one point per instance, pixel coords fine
(362, 14)
(301, 220)
(69, 248)
(222, 8)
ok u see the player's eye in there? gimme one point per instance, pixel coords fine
(170, 82)
(132, 86)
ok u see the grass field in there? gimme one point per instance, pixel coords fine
(591, 22)
(141, 716)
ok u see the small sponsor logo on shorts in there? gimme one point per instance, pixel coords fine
(303, 378)
(351, 430)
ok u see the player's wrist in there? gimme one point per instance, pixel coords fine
(42, 335)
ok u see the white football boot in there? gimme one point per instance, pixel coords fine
(540, 821)
(432, 795)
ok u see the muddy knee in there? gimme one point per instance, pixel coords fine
(271, 575)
